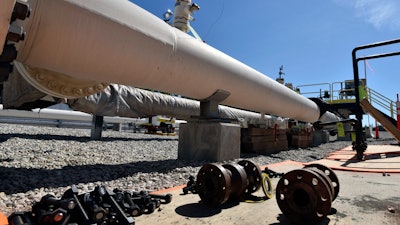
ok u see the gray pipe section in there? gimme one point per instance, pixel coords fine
(329, 117)
(118, 42)
(124, 101)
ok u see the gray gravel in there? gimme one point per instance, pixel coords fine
(35, 161)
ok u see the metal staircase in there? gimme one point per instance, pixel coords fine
(381, 118)
(383, 104)
(341, 96)
(359, 91)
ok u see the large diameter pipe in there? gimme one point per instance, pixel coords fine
(121, 100)
(117, 41)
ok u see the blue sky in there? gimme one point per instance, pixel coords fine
(312, 39)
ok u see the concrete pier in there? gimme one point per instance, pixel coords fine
(212, 141)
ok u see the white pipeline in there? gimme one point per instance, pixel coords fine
(118, 42)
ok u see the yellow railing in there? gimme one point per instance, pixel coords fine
(343, 92)
(388, 106)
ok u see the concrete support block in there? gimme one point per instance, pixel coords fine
(97, 127)
(212, 141)
(368, 132)
(117, 127)
(320, 137)
(347, 137)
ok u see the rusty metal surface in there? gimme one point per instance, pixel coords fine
(217, 183)
(365, 198)
(304, 196)
(213, 184)
(239, 180)
(324, 178)
(254, 174)
(332, 176)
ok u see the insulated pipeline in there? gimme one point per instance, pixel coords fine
(118, 42)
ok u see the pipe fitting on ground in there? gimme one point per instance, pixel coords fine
(216, 183)
(305, 195)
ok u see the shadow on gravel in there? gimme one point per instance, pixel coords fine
(16, 180)
(49, 137)
(289, 154)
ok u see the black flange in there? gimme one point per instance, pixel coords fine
(216, 184)
(305, 195)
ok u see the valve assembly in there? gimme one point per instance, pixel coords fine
(305, 195)
(217, 183)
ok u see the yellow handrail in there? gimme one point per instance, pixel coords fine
(339, 94)
(384, 102)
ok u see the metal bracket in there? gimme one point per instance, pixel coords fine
(209, 106)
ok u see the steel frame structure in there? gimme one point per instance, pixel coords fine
(360, 145)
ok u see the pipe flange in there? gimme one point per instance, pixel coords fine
(325, 178)
(213, 184)
(239, 180)
(254, 175)
(303, 196)
(57, 84)
(332, 176)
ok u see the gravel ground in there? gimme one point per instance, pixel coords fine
(35, 161)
